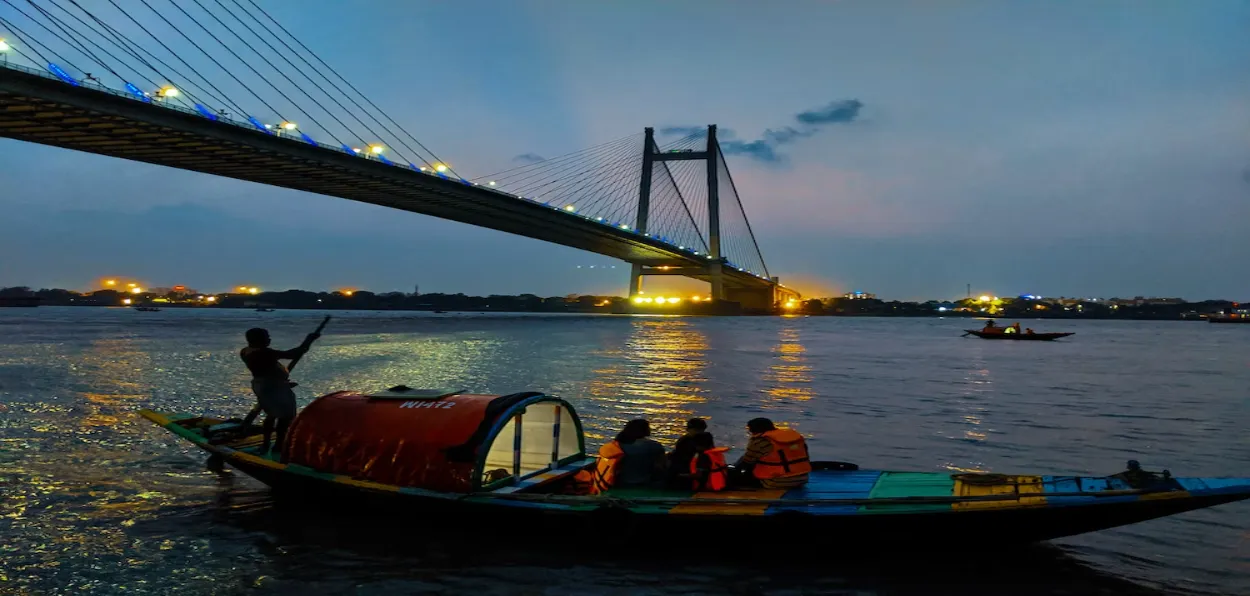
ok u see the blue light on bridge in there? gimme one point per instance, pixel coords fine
(205, 112)
(308, 139)
(348, 150)
(383, 159)
(61, 74)
(138, 93)
(258, 125)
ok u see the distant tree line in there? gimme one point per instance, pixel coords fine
(363, 300)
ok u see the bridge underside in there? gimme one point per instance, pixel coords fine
(50, 112)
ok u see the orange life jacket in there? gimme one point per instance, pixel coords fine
(604, 475)
(718, 474)
(788, 457)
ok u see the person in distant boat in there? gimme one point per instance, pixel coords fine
(683, 451)
(708, 470)
(271, 383)
(775, 458)
(643, 462)
(1028, 331)
(990, 327)
(1015, 328)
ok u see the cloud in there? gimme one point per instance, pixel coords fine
(529, 158)
(842, 110)
(760, 150)
(806, 123)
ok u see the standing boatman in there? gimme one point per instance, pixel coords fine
(271, 381)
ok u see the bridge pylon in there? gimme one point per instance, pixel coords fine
(713, 270)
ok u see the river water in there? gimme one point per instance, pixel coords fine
(97, 500)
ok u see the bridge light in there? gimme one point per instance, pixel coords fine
(570, 208)
(355, 149)
(624, 226)
(377, 149)
(4, 47)
(168, 91)
(289, 126)
(492, 183)
(440, 168)
(637, 299)
(674, 300)
(598, 219)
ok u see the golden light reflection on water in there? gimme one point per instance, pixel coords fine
(658, 374)
(977, 387)
(789, 375)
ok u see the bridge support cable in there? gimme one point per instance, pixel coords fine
(744, 251)
(109, 34)
(78, 40)
(436, 159)
(378, 138)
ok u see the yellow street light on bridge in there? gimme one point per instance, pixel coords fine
(289, 126)
(376, 149)
(440, 168)
(168, 91)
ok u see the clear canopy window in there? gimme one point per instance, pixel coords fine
(547, 435)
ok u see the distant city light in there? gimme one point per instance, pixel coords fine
(136, 290)
(125, 301)
(110, 282)
(211, 299)
(253, 291)
(984, 298)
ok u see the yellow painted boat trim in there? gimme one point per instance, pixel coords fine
(1022, 485)
(706, 508)
(366, 484)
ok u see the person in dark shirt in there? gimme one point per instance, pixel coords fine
(271, 383)
(643, 462)
(683, 451)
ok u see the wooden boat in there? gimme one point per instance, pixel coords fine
(506, 464)
(262, 309)
(1017, 336)
(147, 309)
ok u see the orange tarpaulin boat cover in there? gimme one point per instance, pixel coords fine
(389, 441)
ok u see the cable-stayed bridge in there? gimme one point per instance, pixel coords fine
(129, 80)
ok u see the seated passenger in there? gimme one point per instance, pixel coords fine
(775, 458)
(683, 451)
(1028, 331)
(642, 461)
(708, 471)
(990, 327)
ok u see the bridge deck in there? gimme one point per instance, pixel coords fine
(43, 110)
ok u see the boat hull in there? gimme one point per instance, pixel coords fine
(849, 508)
(974, 530)
(1018, 336)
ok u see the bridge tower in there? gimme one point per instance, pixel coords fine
(714, 269)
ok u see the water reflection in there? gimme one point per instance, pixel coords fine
(975, 390)
(789, 375)
(658, 375)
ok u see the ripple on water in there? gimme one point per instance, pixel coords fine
(95, 500)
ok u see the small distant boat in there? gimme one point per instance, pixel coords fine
(264, 309)
(1017, 336)
(1229, 319)
(147, 309)
(439, 312)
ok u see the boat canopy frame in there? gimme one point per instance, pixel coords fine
(514, 416)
